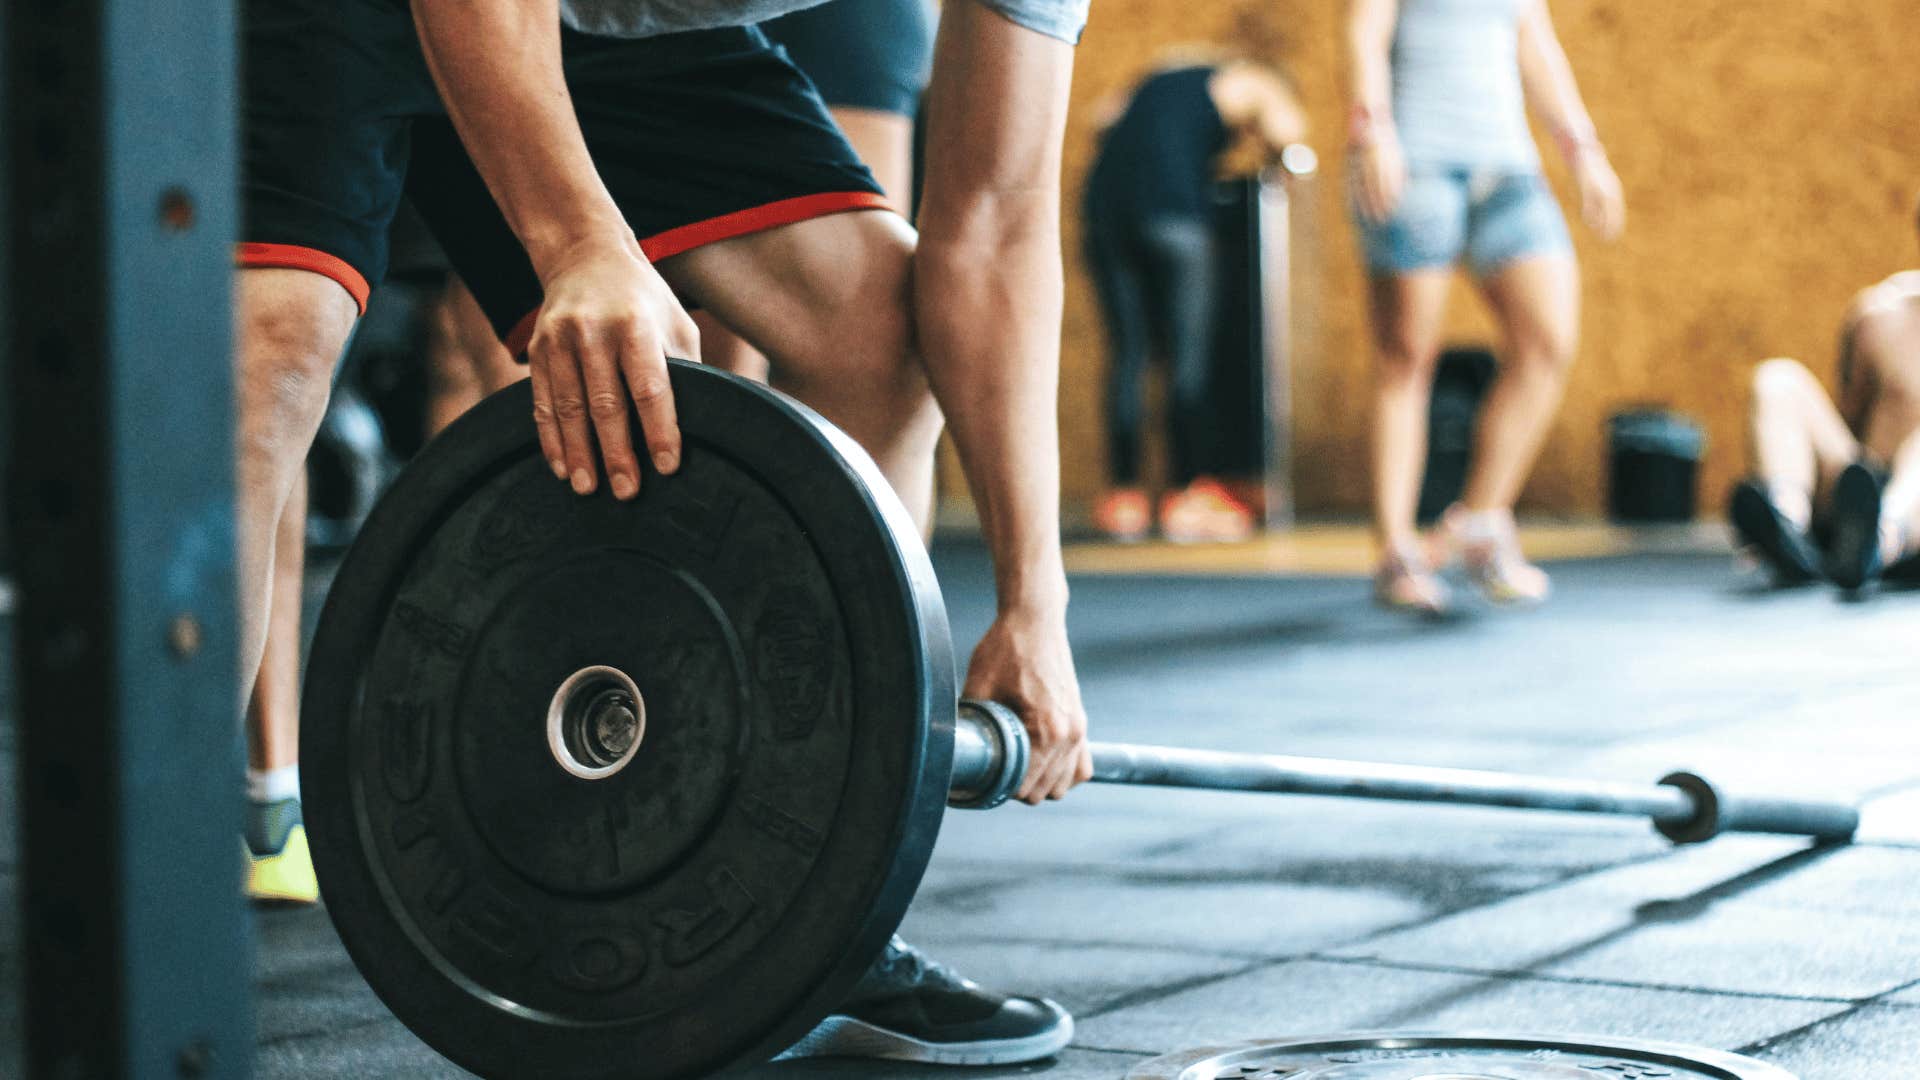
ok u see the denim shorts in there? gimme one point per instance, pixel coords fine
(1448, 215)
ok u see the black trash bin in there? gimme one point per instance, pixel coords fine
(1460, 381)
(1654, 470)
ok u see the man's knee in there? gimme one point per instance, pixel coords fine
(292, 327)
(863, 329)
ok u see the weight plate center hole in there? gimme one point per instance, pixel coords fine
(596, 722)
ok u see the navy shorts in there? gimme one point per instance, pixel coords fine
(1446, 216)
(699, 136)
(862, 54)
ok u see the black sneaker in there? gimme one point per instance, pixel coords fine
(1853, 559)
(908, 1008)
(1784, 545)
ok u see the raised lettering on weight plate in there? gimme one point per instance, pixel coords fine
(406, 733)
(441, 634)
(793, 662)
(493, 922)
(693, 934)
(781, 825)
(598, 959)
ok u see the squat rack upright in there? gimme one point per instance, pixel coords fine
(121, 206)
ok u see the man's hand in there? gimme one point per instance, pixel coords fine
(1602, 205)
(1024, 663)
(606, 327)
(1379, 173)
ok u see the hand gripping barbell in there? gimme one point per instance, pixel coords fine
(640, 789)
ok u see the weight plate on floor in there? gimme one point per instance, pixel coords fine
(627, 789)
(1420, 1056)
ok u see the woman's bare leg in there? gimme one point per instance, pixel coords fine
(1537, 302)
(1408, 312)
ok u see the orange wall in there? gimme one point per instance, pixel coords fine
(1770, 151)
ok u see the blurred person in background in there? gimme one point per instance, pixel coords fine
(1836, 487)
(1445, 173)
(1149, 242)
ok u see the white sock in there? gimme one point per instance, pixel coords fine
(273, 785)
(1484, 526)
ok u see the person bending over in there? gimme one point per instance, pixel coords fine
(1148, 216)
(586, 164)
(1847, 474)
(1444, 173)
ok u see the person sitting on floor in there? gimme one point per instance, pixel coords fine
(1836, 487)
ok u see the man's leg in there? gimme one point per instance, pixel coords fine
(1800, 445)
(465, 360)
(279, 867)
(826, 300)
(292, 326)
(1900, 504)
(884, 141)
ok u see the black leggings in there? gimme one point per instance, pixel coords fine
(1155, 280)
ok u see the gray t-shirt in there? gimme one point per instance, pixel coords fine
(1063, 19)
(1457, 99)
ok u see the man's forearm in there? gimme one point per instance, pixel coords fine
(989, 318)
(497, 63)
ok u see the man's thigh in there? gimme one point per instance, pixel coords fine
(827, 292)
(702, 138)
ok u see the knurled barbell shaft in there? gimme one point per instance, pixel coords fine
(990, 754)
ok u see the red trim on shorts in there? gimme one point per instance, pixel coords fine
(725, 227)
(295, 257)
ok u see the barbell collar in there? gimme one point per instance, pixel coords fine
(990, 752)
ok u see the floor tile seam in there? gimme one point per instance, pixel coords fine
(358, 1024)
(1148, 995)
(1434, 918)
(1576, 980)
(1119, 1051)
(1121, 946)
(1781, 1038)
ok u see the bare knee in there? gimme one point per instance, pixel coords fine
(1781, 379)
(1399, 362)
(291, 333)
(862, 339)
(1542, 355)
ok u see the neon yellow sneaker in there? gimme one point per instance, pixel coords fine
(281, 872)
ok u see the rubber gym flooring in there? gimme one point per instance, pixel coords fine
(1169, 919)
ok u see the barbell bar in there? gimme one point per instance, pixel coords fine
(991, 750)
